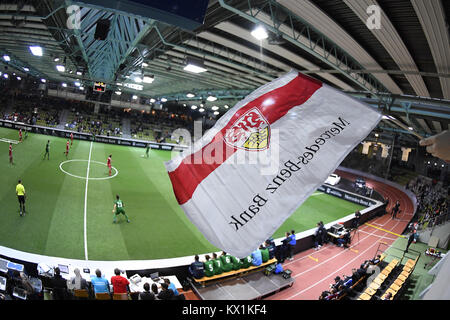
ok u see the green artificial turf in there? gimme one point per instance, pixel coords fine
(55, 219)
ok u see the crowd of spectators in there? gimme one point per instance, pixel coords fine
(65, 289)
(432, 201)
(344, 286)
(213, 264)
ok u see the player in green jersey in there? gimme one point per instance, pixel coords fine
(118, 209)
(209, 266)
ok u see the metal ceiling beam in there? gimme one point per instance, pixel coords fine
(315, 47)
(433, 20)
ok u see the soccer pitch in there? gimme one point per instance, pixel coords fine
(71, 217)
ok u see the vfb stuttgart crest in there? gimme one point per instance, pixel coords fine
(250, 132)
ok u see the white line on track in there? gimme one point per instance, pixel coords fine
(85, 204)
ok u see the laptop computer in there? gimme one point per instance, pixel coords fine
(63, 268)
(2, 284)
(154, 276)
(19, 293)
(3, 265)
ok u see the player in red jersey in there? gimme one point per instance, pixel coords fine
(71, 138)
(10, 153)
(109, 163)
(67, 148)
(20, 135)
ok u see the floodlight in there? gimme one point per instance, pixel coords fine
(6, 58)
(193, 107)
(26, 69)
(194, 65)
(201, 110)
(163, 99)
(190, 95)
(214, 108)
(260, 33)
(64, 85)
(211, 98)
(60, 68)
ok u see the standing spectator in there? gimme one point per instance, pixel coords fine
(172, 287)
(323, 232)
(146, 294)
(395, 209)
(100, 284)
(197, 268)
(287, 246)
(166, 293)
(119, 283)
(411, 239)
(318, 237)
(292, 243)
(59, 285)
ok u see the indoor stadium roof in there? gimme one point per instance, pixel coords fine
(403, 67)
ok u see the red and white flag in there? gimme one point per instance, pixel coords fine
(265, 157)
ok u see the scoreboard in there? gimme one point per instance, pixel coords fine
(99, 86)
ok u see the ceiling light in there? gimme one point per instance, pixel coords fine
(260, 33)
(64, 85)
(77, 84)
(190, 95)
(163, 99)
(184, 104)
(26, 69)
(36, 50)
(226, 106)
(148, 79)
(81, 88)
(118, 93)
(193, 107)
(6, 58)
(144, 64)
(152, 100)
(216, 113)
(211, 98)
(135, 97)
(137, 80)
(56, 59)
(194, 65)
(410, 128)
(79, 73)
(214, 108)
(6, 76)
(43, 80)
(60, 68)
(201, 110)
(19, 78)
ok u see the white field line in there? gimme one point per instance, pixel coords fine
(85, 204)
(9, 141)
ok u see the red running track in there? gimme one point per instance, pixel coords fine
(314, 270)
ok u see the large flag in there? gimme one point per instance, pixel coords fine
(265, 157)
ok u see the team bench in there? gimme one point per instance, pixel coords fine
(234, 273)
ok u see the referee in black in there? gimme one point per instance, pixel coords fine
(47, 150)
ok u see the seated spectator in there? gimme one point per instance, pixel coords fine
(246, 262)
(271, 247)
(256, 257)
(209, 266)
(100, 284)
(166, 293)
(278, 268)
(344, 239)
(146, 294)
(324, 294)
(337, 282)
(59, 286)
(375, 260)
(77, 282)
(120, 284)
(218, 268)
(264, 253)
(155, 290)
(197, 268)
(388, 296)
(172, 287)
(334, 293)
(227, 264)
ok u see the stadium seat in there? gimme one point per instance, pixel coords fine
(81, 293)
(120, 296)
(395, 287)
(102, 296)
(365, 296)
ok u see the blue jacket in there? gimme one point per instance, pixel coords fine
(256, 258)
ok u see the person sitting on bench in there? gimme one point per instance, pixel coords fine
(344, 239)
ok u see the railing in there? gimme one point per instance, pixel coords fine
(434, 221)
